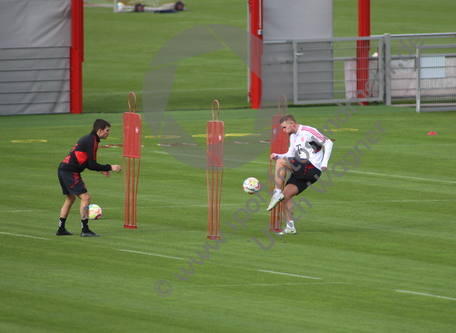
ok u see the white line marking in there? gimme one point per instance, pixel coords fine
(180, 206)
(204, 156)
(151, 254)
(237, 204)
(263, 284)
(19, 235)
(377, 201)
(363, 172)
(301, 276)
(397, 176)
(313, 202)
(27, 210)
(412, 145)
(424, 294)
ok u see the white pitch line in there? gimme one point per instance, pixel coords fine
(27, 210)
(19, 235)
(379, 201)
(237, 204)
(424, 294)
(151, 254)
(263, 284)
(363, 172)
(204, 156)
(181, 206)
(313, 202)
(397, 176)
(288, 274)
(412, 145)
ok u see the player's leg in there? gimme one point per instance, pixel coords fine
(294, 186)
(290, 190)
(304, 173)
(69, 200)
(280, 174)
(67, 181)
(84, 210)
(85, 203)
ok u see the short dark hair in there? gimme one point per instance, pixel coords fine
(100, 124)
(287, 117)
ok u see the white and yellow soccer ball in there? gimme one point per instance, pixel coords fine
(251, 185)
(95, 212)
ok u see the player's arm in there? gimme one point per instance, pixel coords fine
(114, 167)
(290, 153)
(92, 147)
(275, 156)
(323, 141)
(328, 146)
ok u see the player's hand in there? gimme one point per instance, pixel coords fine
(116, 168)
(273, 156)
(107, 174)
(324, 168)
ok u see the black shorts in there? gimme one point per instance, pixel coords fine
(71, 182)
(303, 173)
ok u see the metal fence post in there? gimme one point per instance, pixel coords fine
(418, 80)
(295, 73)
(387, 39)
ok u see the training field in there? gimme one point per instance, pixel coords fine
(375, 252)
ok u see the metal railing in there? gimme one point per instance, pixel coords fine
(34, 80)
(326, 71)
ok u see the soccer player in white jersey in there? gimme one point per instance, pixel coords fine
(305, 159)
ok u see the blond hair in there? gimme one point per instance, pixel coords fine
(287, 117)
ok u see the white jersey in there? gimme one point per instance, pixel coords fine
(308, 142)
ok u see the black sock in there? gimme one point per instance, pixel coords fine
(62, 223)
(85, 225)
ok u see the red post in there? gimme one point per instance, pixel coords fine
(256, 51)
(363, 48)
(215, 143)
(76, 55)
(132, 153)
(279, 145)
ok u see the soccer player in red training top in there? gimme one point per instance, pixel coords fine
(305, 159)
(82, 156)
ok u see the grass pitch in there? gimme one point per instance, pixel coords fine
(119, 48)
(375, 253)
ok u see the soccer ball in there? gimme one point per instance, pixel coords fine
(120, 6)
(94, 212)
(251, 185)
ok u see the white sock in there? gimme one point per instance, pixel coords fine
(290, 224)
(277, 191)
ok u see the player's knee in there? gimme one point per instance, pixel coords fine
(85, 199)
(280, 163)
(287, 196)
